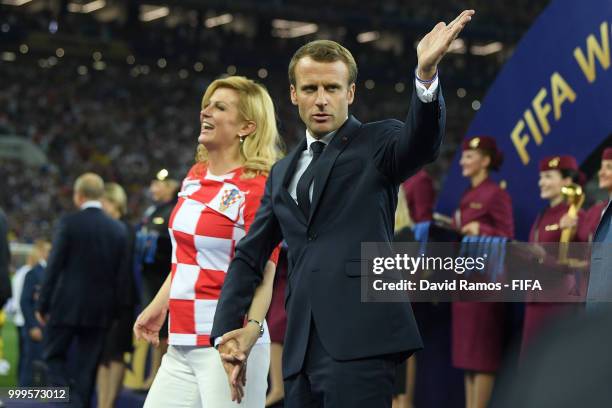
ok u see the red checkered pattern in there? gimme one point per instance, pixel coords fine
(212, 214)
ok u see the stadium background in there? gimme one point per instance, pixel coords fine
(114, 86)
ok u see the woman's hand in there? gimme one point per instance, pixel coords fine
(567, 221)
(471, 228)
(149, 322)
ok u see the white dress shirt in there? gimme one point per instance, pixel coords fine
(305, 160)
(91, 204)
(426, 95)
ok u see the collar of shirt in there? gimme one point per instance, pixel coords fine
(310, 139)
(91, 204)
(43, 263)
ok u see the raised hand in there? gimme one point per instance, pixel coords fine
(435, 44)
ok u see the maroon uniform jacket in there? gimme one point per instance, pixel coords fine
(546, 228)
(421, 196)
(490, 206)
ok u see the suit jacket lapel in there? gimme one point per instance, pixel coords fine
(328, 158)
(289, 171)
(605, 217)
(293, 158)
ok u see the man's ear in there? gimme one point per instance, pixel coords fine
(77, 199)
(351, 93)
(293, 94)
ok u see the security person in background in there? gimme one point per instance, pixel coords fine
(154, 252)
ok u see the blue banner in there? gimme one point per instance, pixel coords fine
(554, 96)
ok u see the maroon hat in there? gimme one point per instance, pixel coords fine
(485, 143)
(607, 154)
(558, 163)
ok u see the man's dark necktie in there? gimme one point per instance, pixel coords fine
(303, 185)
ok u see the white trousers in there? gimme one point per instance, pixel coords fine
(193, 377)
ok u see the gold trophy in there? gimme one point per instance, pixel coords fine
(574, 196)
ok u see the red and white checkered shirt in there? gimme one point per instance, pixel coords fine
(212, 214)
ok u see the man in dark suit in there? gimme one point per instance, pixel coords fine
(337, 189)
(600, 279)
(5, 258)
(80, 288)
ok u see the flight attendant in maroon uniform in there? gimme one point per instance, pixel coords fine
(478, 328)
(556, 172)
(587, 227)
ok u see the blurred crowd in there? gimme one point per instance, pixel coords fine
(125, 118)
(102, 123)
(126, 128)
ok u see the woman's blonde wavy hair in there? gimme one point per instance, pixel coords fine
(115, 194)
(402, 213)
(262, 148)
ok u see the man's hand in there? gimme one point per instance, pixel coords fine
(435, 44)
(42, 319)
(149, 322)
(234, 364)
(244, 340)
(234, 349)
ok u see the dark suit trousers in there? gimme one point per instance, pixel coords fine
(328, 383)
(88, 343)
(31, 352)
(22, 337)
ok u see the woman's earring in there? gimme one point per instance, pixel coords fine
(241, 139)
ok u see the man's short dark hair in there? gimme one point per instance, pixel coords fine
(324, 51)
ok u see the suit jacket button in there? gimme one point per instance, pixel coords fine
(312, 236)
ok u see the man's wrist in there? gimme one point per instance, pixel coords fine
(426, 75)
(217, 342)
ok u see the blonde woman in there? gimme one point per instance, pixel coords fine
(238, 143)
(111, 368)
